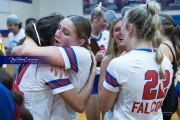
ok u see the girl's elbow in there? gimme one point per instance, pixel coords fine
(104, 108)
(80, 109)
(25, 52)
(14, 52)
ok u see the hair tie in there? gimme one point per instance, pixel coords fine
(98, 7)
(100, 4)
(36, 33)
(147, 1)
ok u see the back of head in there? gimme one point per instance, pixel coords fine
(146, 19)
(147, 23)
(171, 30)
(30, 20)
(98, 11)
(46, 28)
(83, 28)
(168, 25)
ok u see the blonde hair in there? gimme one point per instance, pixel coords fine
(98, 11)
(147, 22)
(112, 45)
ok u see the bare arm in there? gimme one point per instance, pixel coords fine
(17, 50)
(107, 99)
(29, 48)
(103, 67)
(166, 51)
(78, 101)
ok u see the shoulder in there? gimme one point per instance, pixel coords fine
(105, 32)
(104, 63)
(10, 34)
(75, 50)
(76, 53)
(105, 60)
(21, 33)
(167, 51)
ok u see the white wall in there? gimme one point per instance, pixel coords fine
(23, 10)
(64, 7)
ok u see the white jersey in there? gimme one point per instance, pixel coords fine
(14, 39)
(178, 74)
(41, 87)
(135, 76)
(103, 44)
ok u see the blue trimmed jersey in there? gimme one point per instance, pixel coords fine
(135, 76)
(41, 88)
(103, 44)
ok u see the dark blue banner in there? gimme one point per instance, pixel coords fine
(21, 60)
(26, 1)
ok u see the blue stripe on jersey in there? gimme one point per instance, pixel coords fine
(111, 80)
(72, 58)
(58, 83)
(146, 49)
(97, 39)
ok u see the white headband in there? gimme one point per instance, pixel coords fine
(36, 33)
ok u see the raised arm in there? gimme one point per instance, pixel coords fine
(78, 101)
(29, 48)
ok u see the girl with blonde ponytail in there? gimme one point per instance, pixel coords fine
(138, 81)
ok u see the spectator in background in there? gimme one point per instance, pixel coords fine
(16, 34)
